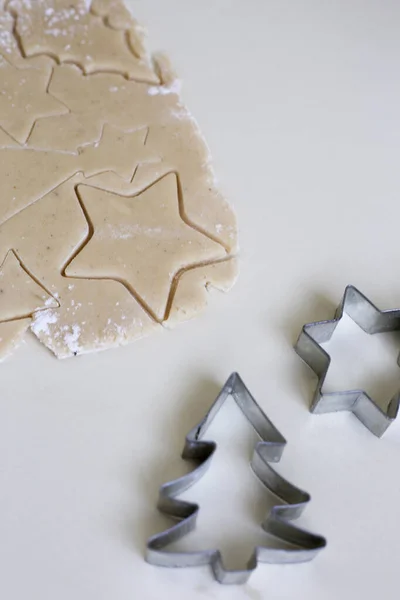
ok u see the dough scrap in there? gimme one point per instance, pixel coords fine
(111, 222)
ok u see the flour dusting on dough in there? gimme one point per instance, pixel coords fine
(41, 321)
(7, 41)
(71, 339)
(173, 88)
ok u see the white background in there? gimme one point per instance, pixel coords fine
(300, 104)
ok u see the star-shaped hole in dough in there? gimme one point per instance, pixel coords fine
(24, 99)
(118, 151)
(142, 241)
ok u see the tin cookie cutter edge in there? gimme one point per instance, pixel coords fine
(277, 523)
(308, 346)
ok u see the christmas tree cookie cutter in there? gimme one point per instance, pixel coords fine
(304, 545)
(308, 346)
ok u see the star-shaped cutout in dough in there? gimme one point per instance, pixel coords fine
(24, 99)
(117, 151)
(142, 241)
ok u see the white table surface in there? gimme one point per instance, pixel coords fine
(300, 104)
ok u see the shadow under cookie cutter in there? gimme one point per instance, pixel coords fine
(305, 544)
(308, 346)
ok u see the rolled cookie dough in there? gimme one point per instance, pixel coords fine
(111, 224)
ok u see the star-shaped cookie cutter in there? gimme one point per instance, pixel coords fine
(308, 346)
(303, 544)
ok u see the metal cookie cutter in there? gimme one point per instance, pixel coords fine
(305, 545)
(308, 346)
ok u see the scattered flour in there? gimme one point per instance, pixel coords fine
(7, 41)
(42, 319)
(174, 88)
(124, 232)
(71, 339)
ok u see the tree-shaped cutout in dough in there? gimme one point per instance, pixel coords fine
(66, 30)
